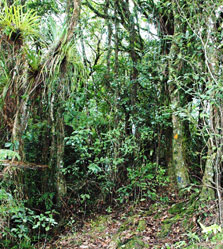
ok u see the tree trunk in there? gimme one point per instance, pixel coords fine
(178, 162)
(57, 145)
(212, 175)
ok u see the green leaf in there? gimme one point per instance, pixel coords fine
(4, 154)
(94, 168)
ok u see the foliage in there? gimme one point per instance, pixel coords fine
(18, 223)
(16, 22)
(8, 154)
(118, 104)
(143, 183)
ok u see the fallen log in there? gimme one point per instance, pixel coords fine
(19, 164)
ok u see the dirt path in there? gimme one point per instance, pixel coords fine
(156, 226)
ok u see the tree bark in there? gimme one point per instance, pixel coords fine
(213, 167)
(178, 163)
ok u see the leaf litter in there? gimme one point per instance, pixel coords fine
(141, 226)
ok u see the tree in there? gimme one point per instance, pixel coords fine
(19, 29)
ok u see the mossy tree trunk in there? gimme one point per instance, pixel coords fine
(212, 173)
(213, 167)
(57, 99)
(16, 108)
(165, 20)
(57, 144)
(177, 166)
(22, 112)
(208, 191)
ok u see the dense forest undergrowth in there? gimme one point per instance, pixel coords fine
(111, 124)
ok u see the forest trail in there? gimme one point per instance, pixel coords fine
(157, 225)
(114, 102)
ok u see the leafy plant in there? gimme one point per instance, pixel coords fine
(8, 154)
(143, 182)
(19, 223)
(45, 221)
(16, 22)
(209, 231)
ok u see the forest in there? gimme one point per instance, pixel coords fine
(111, 118)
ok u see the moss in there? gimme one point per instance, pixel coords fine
(100, 223)
(133, 225)
(167, 224)
(134, 242)
(166, 228)
(130, 222)
(183, 209)
(141, 226)
(176, 208)
(187, 225)
(157, 216)
(154, 208)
